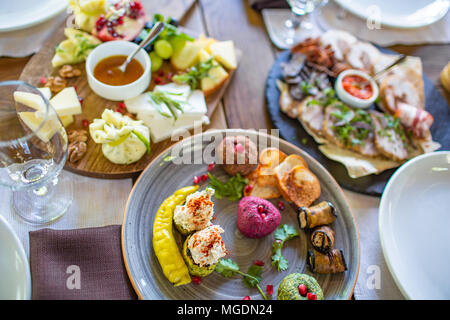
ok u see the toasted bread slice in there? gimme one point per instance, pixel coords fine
(257, 190)
(301, 186)
(289, 163)
(269, 159)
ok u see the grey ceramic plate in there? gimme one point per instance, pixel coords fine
(161, 178)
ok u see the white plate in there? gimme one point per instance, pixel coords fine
(414, 218)
(15, 276)
(399, 14)
(20, 14)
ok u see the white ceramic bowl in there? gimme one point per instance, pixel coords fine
(15, 279)
(350, 100)
(413, 221)
(118, 93)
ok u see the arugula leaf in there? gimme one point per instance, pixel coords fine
(232, 189)
(282, 234)
(195, 74)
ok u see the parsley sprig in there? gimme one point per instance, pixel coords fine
(282, 234)
(229, 268)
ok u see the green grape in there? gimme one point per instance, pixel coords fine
(177, 43)
(163, 49)
(156, 61)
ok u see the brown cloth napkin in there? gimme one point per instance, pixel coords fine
(79, 264)
(265, 4)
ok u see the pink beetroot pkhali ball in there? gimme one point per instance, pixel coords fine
(257, 217)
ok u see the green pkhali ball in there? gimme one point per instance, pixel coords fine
(288, 288)
(163, 49)
(156, 61)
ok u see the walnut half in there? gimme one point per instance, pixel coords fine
(56, 84)
(77, 144)
(67, 71)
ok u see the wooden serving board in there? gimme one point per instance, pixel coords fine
(94, 164)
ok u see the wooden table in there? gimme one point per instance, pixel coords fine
(243, 105)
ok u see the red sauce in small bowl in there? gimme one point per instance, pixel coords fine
(355, 86)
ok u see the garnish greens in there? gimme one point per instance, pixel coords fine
(232, 189)
(346, 128)
(195, 74)
(143, 139)
(160, 98)
(393, 123)
(229, 268)
(282, 234)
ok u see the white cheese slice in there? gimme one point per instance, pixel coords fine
(33, 121)
(29, 99)
(46, 92)
(163, 128)
(66, 102)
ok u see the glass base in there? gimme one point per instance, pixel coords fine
(46, 204)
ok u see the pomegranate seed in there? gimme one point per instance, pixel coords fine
(211, 166)
(260, 209)
(246, 298)
(248, 188)
(161, 73)
(269, 289)
(196, 179)
(80, 99)
(311, 296)
(157, 80)
(281, 205)
(120, 20)
(169, 76)
(204, 177)
(259, 263)
(122, 105)
(302, 289)
(85, 123)
(197, 279)
(43, 80)
(239, 148)
(263, 215)
(75, 87)
(119, 110)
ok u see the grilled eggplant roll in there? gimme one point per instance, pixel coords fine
(322, 239)
(318, 215)
(332, 262)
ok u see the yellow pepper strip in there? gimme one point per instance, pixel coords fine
(164, 244)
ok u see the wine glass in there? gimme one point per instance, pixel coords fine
(299, 27)
(33, 150)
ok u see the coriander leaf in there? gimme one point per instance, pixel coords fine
(285, 232)
(255, 272)
(282, 234)
(231, 189)
(227, 268)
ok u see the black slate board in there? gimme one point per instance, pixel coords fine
(292, 131)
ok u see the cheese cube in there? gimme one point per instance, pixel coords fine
(33, 121)
(66, 102)
(66, 120)
(223, 52)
